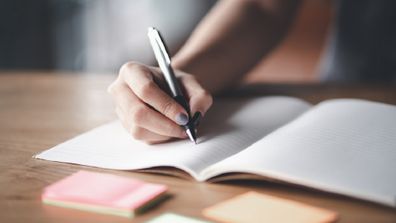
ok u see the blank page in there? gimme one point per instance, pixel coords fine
(345, 146)
(229, 127)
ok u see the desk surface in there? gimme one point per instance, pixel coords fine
(38, 111)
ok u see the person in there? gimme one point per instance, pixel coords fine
(230, 40)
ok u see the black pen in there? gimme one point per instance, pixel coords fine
(164, 62)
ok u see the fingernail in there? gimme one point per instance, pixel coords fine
(181, 119)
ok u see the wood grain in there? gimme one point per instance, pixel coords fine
(39, 110)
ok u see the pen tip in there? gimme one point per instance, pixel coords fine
(191, 135)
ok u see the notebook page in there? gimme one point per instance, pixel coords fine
(229, 127)
(344, 146)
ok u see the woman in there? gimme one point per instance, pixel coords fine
(231, 39)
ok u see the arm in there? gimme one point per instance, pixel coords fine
(232, 38)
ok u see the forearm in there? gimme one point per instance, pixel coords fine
(232, 38)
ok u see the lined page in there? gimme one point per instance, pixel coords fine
(229, 127)
(343, 146)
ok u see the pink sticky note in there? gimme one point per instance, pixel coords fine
(104, 193)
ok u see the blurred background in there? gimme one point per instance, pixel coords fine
(98, 36)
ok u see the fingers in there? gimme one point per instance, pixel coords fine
(140, 133)
(200, 99)
(147, 111)
(135, 113)
(140, 80)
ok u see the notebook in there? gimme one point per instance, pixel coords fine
(253, 207)
(344, 146)
(103, 193)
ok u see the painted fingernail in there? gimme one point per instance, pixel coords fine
(181, 119)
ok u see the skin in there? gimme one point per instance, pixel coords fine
(234, 30)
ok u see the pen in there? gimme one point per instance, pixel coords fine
(164, 62)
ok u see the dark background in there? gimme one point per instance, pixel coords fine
(99, 35)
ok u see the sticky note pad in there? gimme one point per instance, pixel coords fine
(103, 193)
(255, 207)
(175, 218)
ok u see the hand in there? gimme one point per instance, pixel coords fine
(145, 108)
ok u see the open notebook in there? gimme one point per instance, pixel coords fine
(345, 146)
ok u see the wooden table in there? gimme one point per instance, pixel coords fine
(38, 111)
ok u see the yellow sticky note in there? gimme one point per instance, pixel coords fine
(255, 207)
